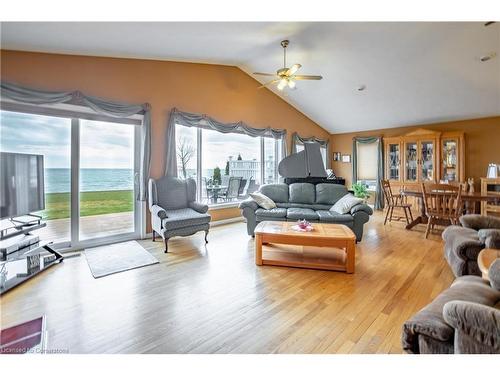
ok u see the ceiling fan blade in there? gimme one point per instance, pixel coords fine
(293, 69)
(269, 83)
(265, 74)
(302, 77)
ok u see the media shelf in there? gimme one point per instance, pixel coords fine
(22, 255)
(22, 265)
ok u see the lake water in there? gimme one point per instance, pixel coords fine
(57, 180)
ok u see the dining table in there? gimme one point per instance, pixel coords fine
(215, 190)
(469, 199)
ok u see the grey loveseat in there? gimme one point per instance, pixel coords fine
(305, 201)
(174, 211)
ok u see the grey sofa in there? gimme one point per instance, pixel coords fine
(305, 201)
(174, 211)
(463, 243)
(463, 319)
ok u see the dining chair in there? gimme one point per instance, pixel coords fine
(442, 203)
(395, 201)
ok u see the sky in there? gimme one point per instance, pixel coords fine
(102, 144)
(110, 145)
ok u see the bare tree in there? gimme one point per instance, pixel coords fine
(185, 151)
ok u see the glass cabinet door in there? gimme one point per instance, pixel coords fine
(411, 161)
(449, 167)
(427, 160)
(393, 161)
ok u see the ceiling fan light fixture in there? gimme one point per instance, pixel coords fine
(291, 84)
(282, 84)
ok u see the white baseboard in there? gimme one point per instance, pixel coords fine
(212, 224)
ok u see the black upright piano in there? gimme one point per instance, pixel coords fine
(307, 166)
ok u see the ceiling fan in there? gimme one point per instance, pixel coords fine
(286, 76)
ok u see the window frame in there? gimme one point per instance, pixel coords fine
(199, 164)
(75, 113)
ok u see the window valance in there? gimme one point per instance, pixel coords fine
(204, 121)
(119, 110)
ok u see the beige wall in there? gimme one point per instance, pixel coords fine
(223, 92)
(482, 140)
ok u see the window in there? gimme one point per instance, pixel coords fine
(367, 164)
(93, 158)
(227, 166)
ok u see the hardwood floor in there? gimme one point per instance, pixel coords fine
(214, 299)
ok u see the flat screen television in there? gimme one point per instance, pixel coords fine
(21, 184)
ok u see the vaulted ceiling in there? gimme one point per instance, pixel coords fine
(414, 72)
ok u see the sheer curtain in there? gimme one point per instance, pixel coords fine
(196, 120)
(101, 106)
(357, 143)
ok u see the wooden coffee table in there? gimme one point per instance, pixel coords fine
(327, 247)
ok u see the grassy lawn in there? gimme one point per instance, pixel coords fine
(57, 205)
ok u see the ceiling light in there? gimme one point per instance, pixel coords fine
(282, 84)
(488, 57)
(291, 84)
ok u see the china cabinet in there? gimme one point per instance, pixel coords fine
(424, 156)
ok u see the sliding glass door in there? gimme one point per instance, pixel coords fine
(90, 170)
(106, 179)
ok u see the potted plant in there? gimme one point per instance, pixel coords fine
(360, 191)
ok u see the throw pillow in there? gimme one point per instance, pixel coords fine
(263, 200)
(345, 204)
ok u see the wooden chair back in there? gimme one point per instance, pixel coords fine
(389, 197)
(442, 201)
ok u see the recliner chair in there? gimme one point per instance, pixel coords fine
(463, 243)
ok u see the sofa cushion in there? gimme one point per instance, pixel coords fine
(302, 192)
(329, 193)
(274, 213)
(345, 204)
(334, 217)
(263, 200)
(277, 192)
(184, 217)
(301, 213)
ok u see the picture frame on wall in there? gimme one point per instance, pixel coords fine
(336, 156)
(346, 158)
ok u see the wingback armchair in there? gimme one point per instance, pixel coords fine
(174, 210)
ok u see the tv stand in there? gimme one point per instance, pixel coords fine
(21, 258)
(29, 219)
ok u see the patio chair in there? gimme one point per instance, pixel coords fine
(233, 188)
(174, 210)
(209, 193)
(244, 192)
